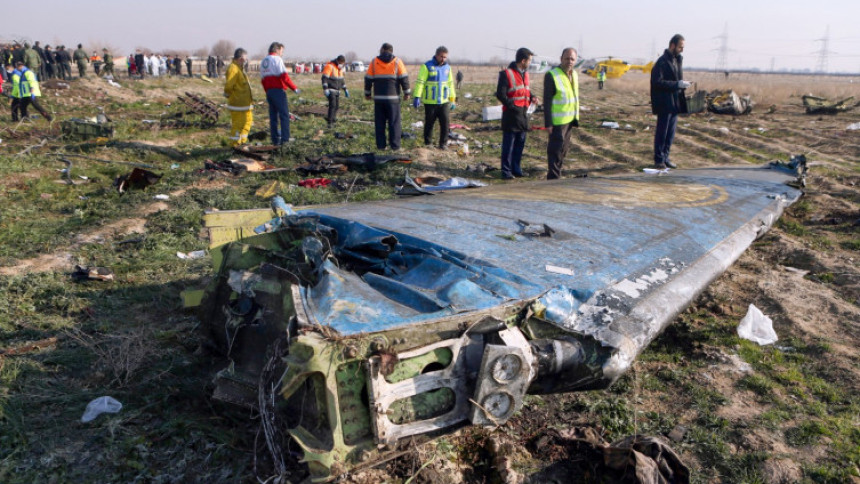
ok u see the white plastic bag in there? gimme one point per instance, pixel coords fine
(757, 327)
(99, 406)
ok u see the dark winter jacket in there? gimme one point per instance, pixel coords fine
(666, 96)
(514, 118)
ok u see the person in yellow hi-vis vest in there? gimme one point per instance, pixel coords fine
(561, 92)
(25, 91)
(237, 89)
(601, 77)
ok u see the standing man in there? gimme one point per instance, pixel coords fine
(81, 58)
(188, 64)
(107, 57)
(32, 59)
(560, 84)
(219, 64)
(49, 62)
(210, 66)
(459, 79)
(96, 61)
(385, 78)
(25, 90)
(668, 99)
(42, 68)
(332, 83)
(275, 81)
(140, 63)
(601, 77)
(237, 89)
(435, 87)
(512, 90)
(64, 60)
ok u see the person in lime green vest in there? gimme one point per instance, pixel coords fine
(601, 77)
(561, 110)
(25, 91)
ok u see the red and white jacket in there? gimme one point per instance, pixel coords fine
(274, 74)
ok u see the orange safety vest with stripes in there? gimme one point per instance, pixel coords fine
(518, 88)
(386, 79)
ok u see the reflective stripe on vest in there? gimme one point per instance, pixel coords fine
(565, 102)
(436, 86)
(518, 88)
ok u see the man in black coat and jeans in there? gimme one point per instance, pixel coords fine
(668, 99)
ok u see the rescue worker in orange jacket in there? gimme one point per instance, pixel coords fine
(513, 92)
(332, 83)
(385, 79)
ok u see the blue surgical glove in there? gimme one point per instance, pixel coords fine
(327, 92)
(298, 91)
(346, 92)
(453, 105)
(416, 102)
(33, 97)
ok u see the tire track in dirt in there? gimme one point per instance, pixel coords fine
(125, 226)
(722, 144)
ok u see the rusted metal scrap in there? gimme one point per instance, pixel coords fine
(195, 110)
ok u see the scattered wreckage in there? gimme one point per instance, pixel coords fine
(820, 105)
(358, 330)
(720, 102)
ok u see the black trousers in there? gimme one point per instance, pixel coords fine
(19, 106)
(333, 106)
(66, 70)
(664, 134)
(557, 148)
(387, 114)
(49, 71)
(432, 112)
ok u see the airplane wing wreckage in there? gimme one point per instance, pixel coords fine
(359, 328)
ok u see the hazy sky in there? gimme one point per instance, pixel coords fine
(760, 33)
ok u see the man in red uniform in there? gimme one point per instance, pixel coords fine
(275, 82)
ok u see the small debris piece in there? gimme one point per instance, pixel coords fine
(728, 102)
(315, 182)
(270, 189)
(99, 406)
(137, 179)
(677, 434)
(92, 274)
(559, 270)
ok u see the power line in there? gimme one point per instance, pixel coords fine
(723, 55)
(821, 65)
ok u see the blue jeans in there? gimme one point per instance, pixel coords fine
(663, 137)
(512, 153)
(279, 110)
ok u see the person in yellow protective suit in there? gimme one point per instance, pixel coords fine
(239, 101)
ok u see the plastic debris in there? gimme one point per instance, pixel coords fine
(757, 327)
(99, 406)
(723, 130)
(161, 197)
(417, 124)
(656, 171)
(559, 270)
(468, 95)
(610, 125)
(197, 254)
(853, 127)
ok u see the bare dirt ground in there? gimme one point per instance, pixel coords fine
(804, 273)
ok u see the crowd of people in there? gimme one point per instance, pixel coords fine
(386, 83)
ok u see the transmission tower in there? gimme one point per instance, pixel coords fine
(723, 52)
(824, 53)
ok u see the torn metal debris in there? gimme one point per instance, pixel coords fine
(729, 102)
(820, 105)
(194, 110)
(365, 327)
(137, 179)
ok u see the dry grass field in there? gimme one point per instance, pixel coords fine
(740, 413)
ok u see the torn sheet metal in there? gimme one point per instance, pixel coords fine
(412, 316)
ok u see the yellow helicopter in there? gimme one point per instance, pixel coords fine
(615, 68)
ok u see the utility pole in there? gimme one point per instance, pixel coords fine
(722, 64)
(824, 53)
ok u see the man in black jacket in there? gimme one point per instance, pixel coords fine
(668, 99)
(512, 90)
